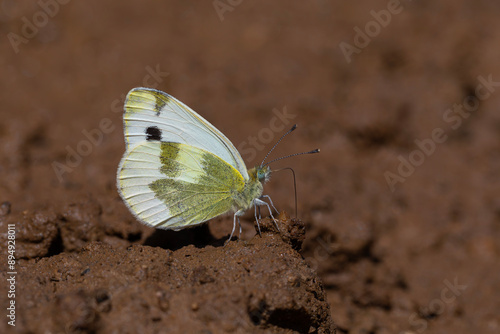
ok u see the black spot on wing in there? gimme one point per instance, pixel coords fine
(153, 133)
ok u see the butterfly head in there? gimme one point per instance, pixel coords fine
(260, 173)
(263, 173)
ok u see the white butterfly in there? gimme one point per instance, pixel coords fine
(178, 170)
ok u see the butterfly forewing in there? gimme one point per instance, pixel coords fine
(152, 115)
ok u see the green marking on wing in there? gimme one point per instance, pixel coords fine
(141, 99)
(216, 168)
(198, 184)
(161, 101)
(169, 164)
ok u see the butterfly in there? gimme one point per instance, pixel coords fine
(178, 170)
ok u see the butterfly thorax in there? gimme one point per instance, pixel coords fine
(253, 188)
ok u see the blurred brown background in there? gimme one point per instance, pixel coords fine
(401, 97)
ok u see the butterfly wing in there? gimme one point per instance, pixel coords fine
(152, 115)
(173, 185)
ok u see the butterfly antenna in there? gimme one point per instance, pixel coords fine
(294, 185)
(293, 155)
(288, 132)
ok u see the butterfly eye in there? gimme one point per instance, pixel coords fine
(262, 173)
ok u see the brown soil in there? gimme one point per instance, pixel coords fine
(419, 256)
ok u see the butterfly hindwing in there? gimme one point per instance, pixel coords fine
(173, 185)
(152, 115)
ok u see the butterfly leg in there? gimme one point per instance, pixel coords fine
(257, 219)
(270, 201)
(239, 223)
(232, 232)
(237, 214)
(234, 227)
(261, 202)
